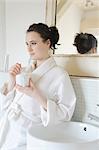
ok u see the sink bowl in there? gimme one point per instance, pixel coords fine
(64, 136)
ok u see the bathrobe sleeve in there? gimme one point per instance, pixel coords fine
(5, 101)
(61, 106)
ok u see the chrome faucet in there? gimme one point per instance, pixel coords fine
(6, 63)
(93, 117)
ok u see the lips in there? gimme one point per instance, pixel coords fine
(32, 53)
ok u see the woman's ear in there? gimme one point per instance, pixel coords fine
(48, 42)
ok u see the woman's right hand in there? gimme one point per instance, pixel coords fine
(13, 71)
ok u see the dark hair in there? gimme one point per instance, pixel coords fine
(84, 42)
(46, 33)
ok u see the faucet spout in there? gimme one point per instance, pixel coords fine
(93, 117)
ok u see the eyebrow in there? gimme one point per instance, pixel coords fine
(32, 41)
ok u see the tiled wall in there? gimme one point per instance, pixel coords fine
(87, 93)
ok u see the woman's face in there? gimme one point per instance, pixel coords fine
(36, 47)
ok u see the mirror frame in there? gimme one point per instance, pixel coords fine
(50, 16)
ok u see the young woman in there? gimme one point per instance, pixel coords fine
(49, 97)
(85, 43)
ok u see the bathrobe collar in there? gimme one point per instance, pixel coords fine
(43, 69)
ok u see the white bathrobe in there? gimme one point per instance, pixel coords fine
(19, 111)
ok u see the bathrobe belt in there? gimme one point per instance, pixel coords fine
(14, 112)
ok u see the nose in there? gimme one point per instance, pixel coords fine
(29, 48)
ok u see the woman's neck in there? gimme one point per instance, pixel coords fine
(39, 62)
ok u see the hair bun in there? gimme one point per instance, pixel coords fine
(54, 35)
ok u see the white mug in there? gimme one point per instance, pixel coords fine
(23, 79)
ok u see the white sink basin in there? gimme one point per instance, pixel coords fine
(64, 136)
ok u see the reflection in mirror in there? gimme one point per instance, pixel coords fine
(75, 16)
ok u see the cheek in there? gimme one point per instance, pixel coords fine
(42, 49)
(45, 47)
(41, 53)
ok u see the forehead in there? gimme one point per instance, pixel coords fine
(33, 36)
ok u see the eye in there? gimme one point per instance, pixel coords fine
(33, 43)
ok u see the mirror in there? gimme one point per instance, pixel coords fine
(75, 16)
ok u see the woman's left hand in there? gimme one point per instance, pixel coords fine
(28, 90)
(34, 92)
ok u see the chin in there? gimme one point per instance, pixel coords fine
(33, 57)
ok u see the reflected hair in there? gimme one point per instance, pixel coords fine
(84, 42)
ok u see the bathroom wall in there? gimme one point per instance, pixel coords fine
(2, 32)
(15, 18)
(86, 89)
